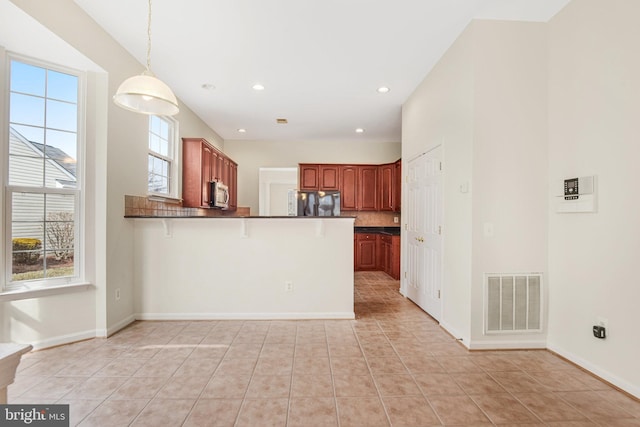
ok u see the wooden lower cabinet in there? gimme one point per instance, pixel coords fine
(395, 257)
(366, 252)
(377, 252)
(390, 255)
(385, 253)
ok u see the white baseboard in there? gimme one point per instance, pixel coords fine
(63, 339)
(119, 325)
(464, 340)
(607, 376)
(244, 316)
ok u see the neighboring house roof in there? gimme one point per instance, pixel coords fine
(58, 157)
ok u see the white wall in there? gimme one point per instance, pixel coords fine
(252, 155)
(485, 102)
(542, 102)
(440, 111)
(275, 184)
(594, 111)
(116, 149)
(509, 189)
(233, 268)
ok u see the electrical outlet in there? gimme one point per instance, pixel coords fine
(599, 332)
(288, 286)
(396, 220)
(117, 294)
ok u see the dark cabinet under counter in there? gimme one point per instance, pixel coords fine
(377, 249)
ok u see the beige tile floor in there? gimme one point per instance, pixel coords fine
(391, 366)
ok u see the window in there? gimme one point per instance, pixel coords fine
(163, 149)
(43, 186)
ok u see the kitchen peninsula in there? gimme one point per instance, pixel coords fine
(243, 267)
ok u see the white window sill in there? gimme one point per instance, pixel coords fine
(45, 291)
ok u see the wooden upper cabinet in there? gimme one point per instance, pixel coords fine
(216, 169)
(358, 188)
(225, 175)
(386, 186)
(329, 177)
(368, 188)
(309, 177)
(349, 188)
(397, 185)
(207, 174)
(201, 164)
(319, 177)
(233, 185)
(196, 172)
(362, 187)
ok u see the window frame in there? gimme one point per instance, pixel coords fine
(173, 160)
(7, 285)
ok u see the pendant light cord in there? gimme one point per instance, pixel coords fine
(149, 39)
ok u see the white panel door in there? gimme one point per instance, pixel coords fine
(415, 201)
(424, 231)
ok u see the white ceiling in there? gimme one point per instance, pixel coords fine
(320, 61)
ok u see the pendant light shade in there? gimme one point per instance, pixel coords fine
(146, 94)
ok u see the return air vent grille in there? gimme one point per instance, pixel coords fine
(513, 303)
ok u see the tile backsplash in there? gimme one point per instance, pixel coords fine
(141, 206)
(379, 219)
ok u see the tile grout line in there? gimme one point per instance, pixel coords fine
(195, 403)
(375, 384)
(414, 379)
(333, 382)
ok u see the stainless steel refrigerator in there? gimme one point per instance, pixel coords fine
(318, 203)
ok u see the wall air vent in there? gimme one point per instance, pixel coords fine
(513, 303)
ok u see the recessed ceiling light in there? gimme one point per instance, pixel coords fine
(258, 86)
(383, 89)
(208, 86)
(282, 121)
(359, 130)
(241, 130)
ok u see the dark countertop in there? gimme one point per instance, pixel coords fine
(235, 217)
(392, 231)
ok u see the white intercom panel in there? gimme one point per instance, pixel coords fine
(577, 195)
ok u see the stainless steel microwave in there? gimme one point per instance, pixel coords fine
(219, 195)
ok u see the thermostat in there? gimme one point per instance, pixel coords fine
(571, 189)
(577, 195)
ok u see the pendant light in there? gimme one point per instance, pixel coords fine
(145, 93)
